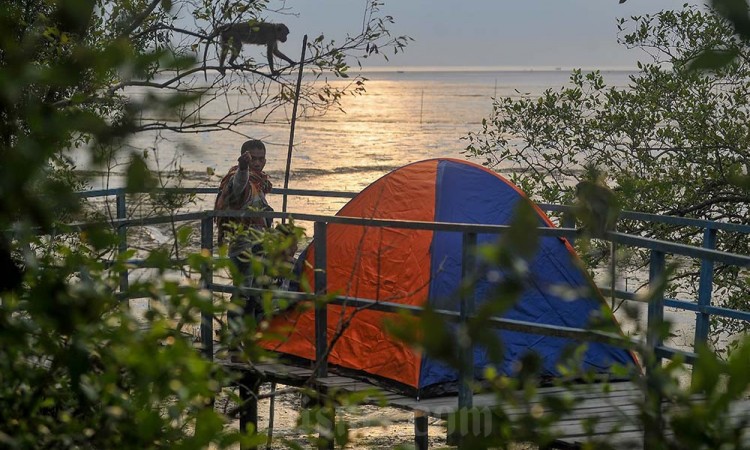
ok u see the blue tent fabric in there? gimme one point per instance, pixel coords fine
(468, 195)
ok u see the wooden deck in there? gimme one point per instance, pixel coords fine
(615, 408)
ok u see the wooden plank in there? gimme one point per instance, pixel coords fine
(622, 411)
(616, 407)
(623, 394)
(624, 440)
(573, 431)
(278, 369)
(333, 380)
(351, 388)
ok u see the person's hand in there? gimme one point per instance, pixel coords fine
(244, 161)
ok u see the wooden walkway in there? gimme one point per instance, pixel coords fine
(615, 409)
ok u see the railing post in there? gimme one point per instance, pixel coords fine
(321, 330)
(321, 288)
(656, 304)
(705, 287)
(468, 270)
(569, 221)
(207, 280)
(466, 356)
(122, 232)
(654, 427)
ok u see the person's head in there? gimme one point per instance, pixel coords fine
(257, 153)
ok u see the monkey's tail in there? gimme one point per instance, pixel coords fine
(205, 53)
(210, 38)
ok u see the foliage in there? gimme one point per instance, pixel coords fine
(674, 141)
(79, 369)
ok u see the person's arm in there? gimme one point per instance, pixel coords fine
(239, 181)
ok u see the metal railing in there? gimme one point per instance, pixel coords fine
(658, 249)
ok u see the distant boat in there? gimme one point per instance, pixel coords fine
(558, 68)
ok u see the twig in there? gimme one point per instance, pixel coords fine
(138, 20)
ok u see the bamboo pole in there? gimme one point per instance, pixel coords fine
(291, 131)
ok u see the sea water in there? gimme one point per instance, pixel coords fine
(405, 116)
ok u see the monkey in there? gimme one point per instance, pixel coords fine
(233, 35)
(596, 205)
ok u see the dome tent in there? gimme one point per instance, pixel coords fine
(420, 267)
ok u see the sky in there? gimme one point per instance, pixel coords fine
(496, 33)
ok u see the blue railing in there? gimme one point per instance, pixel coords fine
(702, 306)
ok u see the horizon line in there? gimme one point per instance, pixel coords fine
(490, 68)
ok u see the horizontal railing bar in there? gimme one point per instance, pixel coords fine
(215, 190)
(555, 208)
(633, 297)
(100, 192)
(579, 334)
(679, 249)
(685, 221)
(622, 295)
(395, 223)
(621, 238)
(314, 193)
(670, 303)
(729, 313)
(630, 215)
(709, 309)
(143, 263)
(116, 223)
(669, 353)
(670, 220)
(343, 220)
(682, 304)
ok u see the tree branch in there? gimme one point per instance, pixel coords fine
(709, 202)
(138, 20)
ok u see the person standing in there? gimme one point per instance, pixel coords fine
(245, 187)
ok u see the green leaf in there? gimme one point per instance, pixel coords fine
(208, 425)
(183, 235)
(75, 15)
(159, 258)
(100, 237)
(521, 239)
(713, 59)
(739, 375)
(706, 371)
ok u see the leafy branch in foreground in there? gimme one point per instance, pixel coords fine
(79, 369)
